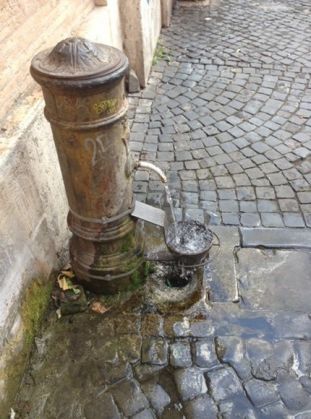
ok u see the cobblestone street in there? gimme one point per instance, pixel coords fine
(227, 113)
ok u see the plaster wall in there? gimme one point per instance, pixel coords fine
(141, 24)
(103, 25)
(32, 217)
(151, 20)
(167, 10)
(132, 36)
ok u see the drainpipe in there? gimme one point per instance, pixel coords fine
(83, 88)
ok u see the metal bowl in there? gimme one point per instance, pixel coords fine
(193, 246)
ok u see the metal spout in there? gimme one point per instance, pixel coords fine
(150, 166)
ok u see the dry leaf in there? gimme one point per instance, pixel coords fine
(67, 271)
(64, 283)
(98, 307)
(68, 274)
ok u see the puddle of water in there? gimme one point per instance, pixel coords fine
(256, 326)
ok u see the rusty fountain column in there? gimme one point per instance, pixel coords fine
(83, 88)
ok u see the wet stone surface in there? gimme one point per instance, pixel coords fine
(227, 114)
(205, 355)
(141, 358)
(180, 354)
(279, 291)
(190, 383)
(215, 360)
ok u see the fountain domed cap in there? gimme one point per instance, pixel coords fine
(77, 62)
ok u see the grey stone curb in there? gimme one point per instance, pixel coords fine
(276, 238)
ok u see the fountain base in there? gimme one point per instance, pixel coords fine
(108, 260)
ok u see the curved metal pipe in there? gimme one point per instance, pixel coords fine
(150, 166)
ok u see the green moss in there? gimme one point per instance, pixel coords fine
(106, 106)
(137, 280)
(149, 268)
(11, 375)
(160, 54)
(34, 305)
(127, 243)
(139, 276)
(113, 299)
(16, 352)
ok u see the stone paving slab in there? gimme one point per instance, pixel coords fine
(221, 271)
(227, 113)
(276, 238)
(271, 279)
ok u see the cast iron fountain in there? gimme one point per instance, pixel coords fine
(83, 88)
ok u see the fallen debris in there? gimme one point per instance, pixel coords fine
(99, 307)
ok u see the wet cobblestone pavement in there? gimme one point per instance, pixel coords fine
(155, 356)
(174, 366)
(227, 113)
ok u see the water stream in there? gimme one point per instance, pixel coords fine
(187, 237)
(170, 202)
(184, 237)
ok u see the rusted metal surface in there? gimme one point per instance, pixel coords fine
(83, 88)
